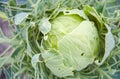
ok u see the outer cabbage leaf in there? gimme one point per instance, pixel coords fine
(106, 38)
(75, 11)
(54, 61)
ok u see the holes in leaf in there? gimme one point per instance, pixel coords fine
(99, 61)
(67, 12)
(82, 54)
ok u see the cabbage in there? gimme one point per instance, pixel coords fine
(76, 39)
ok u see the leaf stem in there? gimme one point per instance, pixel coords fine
(8, 48)
(104, 73)
(116, 30)
(30, 1)
(18, 8)
(35, 7)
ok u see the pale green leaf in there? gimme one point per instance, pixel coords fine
(35, 60)
(54, 62)
(5, 60)
(44, 26)
(20, 17)
(75, 11)
(109, 45)
(64, 24)
(80, 47)
(106, 37)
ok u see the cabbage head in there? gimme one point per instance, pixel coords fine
(74, 39)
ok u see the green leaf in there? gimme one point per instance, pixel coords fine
(109, 45)
(75, 11)
(80, 47)
(5, 60)
(44, 26)
(64, 24)
(106, 38)
(3, 16)
(20, 17)
(54, 62)
(35, 60)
